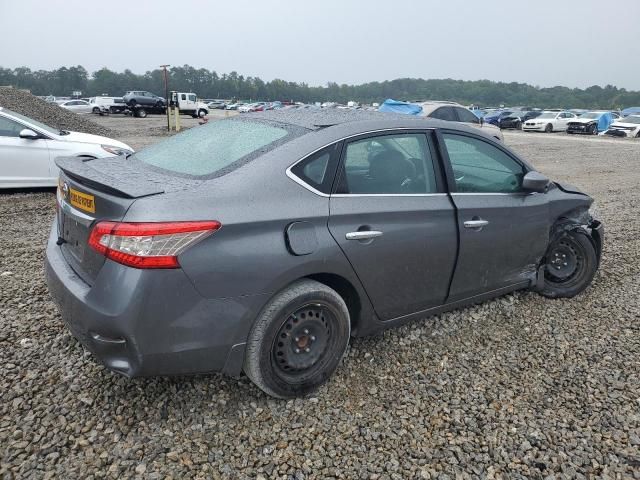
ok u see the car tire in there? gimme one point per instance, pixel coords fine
(571, 263)
(518, 125)
(280, 357)
(95, 110)
(548, 128)
(141, 113)
(202, 113)
(593, 129)
(132, 103)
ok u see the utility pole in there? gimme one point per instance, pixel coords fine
(166, 95)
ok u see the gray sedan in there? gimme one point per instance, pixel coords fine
(262, 243)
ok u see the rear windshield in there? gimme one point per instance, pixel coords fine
(217, 147)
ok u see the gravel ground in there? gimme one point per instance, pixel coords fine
(518, 387)
(50, 114)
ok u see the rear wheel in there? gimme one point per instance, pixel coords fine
(548, 128)
(518, 125)
(298, 340)
(95, 110)
(141, 113)
(571, 264)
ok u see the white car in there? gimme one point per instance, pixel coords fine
(76, 106)
(28, 149)
(549, 122)
(625, 127)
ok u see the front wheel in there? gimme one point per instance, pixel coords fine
(298, 340)
(548, 128)
(593, 129)
(570, 265)
(202, 113)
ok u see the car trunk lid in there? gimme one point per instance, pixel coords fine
(92, 190)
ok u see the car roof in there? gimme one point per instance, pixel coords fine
(352, 122)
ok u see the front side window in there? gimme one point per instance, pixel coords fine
(9, 128)
(388, 164)
(192, 98)
(479, 167)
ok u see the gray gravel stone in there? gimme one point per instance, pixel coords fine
(518, 387)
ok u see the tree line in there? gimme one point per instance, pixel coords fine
(210, 84)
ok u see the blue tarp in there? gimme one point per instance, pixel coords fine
(604, 121)
(396, 106)
(631, 111)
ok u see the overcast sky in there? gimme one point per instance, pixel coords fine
(541, 42)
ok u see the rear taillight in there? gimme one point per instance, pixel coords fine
(148, 245)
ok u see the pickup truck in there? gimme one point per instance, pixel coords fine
(188, 104)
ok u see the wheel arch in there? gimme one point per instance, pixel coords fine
(347, 291)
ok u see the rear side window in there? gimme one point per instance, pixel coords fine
(445, 113)
(466, 116)
(388, 164)
(209, 149)
(318, 170)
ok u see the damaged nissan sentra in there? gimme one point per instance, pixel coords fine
(261, 244)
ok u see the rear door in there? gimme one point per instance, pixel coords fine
(503, 229)
(394, 222)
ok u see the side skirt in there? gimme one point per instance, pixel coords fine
(377, 325)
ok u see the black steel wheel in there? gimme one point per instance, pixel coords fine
(298, 340)
(570, 264)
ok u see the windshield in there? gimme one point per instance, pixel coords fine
(631, 119)
(548, 115)
(35, 123)
(208, 149)
(591, 115)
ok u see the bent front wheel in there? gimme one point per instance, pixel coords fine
(570, 265)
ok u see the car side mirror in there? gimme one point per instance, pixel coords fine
(535, 182)
(29, 134)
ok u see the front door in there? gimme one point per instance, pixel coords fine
(504, 231)
(394, 222)
(24, 162)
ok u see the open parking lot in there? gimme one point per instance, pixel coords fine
(518, 387)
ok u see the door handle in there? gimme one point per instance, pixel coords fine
(363, 235)
(475, 223)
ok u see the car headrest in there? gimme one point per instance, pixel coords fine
(391, 165)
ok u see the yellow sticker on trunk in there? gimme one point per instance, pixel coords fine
(81, 200)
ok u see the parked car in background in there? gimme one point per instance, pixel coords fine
(107, 104)
(454, 112)
(590, 123)
(252, 107)
(28, 149)
(196, 267)
(625, 127)
(493, 118)
(234, 106)
(217, 104)
(141, 97)
(549, 122)
(516, 119)
(75, 106)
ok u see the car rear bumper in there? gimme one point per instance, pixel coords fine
(150, 322)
